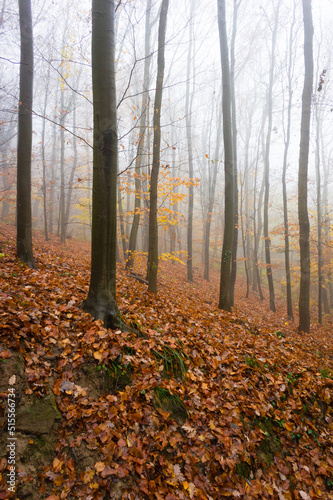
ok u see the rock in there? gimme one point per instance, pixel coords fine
(39, 417)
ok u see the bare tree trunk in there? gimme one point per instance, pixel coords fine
(71, 179)
(140, 150)
(303, 217)
(211, 199)
(43, 154)
(267, 164)
(234, 146)
(101, 301)
(319, 222)
(188, 110)
(153, 227)
(24, 143)
(225, 301)
(61, 225)
(53, 177)
(284, 183)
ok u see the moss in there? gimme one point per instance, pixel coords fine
(40, 416)
(170, 403)
(270, 444)
(244, 469)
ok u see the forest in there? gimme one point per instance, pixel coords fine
(166, 261)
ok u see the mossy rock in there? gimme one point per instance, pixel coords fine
(38, 416)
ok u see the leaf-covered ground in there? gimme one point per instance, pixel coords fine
(197, 403)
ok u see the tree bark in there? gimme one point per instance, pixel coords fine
(153, 227)
(303, 217)
(225, 301)
(101, 300)
(24, 144)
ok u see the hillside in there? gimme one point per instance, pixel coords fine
(194, 403)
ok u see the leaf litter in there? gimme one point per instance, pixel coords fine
(254, 396)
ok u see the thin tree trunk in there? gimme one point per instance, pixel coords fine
(153, 227)
(24, 144)
(319, 221)
(284, 183)
(188, 111)
(140, 151)
(43, 154)
(303, 217)
(234, 146)
(211, 199)
(71, 179)
(225, 301)
(61, 225)
(267, 164)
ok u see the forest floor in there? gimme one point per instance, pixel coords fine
(198, 403)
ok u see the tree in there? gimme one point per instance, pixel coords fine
(287, 133)
(234, 146)
(225, 301)
(267, 162)
(24, 143)
(303, 217)
(101, 300)
(153, 227)
(140, 150)
(188, 112)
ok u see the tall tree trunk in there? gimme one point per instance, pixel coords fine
(61, 225)
(267, 163)
(188, 118)
(234, 148)
(24, 143)
(71, 178)
(121, 221)
(303, 216)
(319, 220)
(140, 151)
(101, 301)
(53, 176)
(211, 198)
(225, 301)
(284, 173)
(153, 227)
(43, 154)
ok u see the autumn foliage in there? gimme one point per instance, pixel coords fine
(193, 402)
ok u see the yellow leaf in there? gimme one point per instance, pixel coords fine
(88, 476)
(58, 481)
(288, 427)
(185, 485)
(98, 355)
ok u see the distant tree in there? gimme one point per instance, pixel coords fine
(24, 143)
(287, 132)
(234, 147)
(140, 150)
(101, 300)
(225, 301)
(303, 217)
(153, 227)
(267, 160)
(188, 112)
